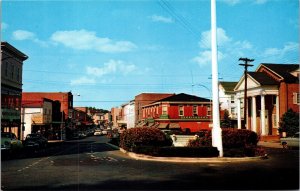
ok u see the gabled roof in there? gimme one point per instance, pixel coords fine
(262, 78)
(284, 71)
(182, 97)
(228, 86)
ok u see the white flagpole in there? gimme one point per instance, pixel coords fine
(216, 130)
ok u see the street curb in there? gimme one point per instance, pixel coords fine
(186, 159)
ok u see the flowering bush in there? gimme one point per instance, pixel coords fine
(236, 142)
(231, 138)
(143, 136)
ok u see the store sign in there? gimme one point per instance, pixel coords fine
(10, 114)
(37, 118)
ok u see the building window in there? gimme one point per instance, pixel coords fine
(18, 74)
(232, 111)
(180, 108)
(273, 99)
(12, 71)
(296, 98)
(6, 69)
(164, 110)
(232, 98)
(208, 110)
(195, 110)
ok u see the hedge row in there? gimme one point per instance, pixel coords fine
(143, 136)
(231, 138)
(177, 151)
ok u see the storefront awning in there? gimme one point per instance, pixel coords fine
(141, 124)
(163, 125)
(174, 126)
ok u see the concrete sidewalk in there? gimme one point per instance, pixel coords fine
(270, 144)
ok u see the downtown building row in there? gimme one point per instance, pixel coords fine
(272, 89)
(49, 113)
(164, 111)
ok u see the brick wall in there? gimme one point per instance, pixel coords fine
(144, 99)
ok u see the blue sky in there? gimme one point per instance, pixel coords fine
(110, 51)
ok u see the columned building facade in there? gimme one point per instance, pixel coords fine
(272, 89)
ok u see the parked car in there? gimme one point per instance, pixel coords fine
(35, 140)
(81, 134)
(98, 132)
(9, 141)
(104, 132)
(289, 142)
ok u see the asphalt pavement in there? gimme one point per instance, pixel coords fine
(92, 164)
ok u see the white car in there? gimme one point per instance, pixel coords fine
(97, 132)
(289, 142)
(104, 132)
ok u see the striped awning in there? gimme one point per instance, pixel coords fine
(163, 125)
(174, 126)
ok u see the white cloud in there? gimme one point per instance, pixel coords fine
(87, 40)
(158, 18)
(4, 26)
(204, 58)
(281, 52)
(243, 44)
(23, 35)
(222, 38)
(27, 35)
(82, 80)
(228, 48)
(111, 67)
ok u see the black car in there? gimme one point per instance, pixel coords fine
(35, 140)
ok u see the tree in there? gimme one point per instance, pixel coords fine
(289, 123)
(226, 122)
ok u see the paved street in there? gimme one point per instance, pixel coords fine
(91, 164)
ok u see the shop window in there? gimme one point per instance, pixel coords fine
(164, 110)
(208, 110)
(195, 110)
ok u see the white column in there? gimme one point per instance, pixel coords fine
(247, 114)
(253, 125)
(239, 120)
(262, 115)
(277, 112)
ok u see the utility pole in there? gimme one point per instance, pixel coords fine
(246, 61)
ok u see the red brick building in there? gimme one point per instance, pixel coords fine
(144, 99)
(272, 89)
(183, 111)
(66, 100)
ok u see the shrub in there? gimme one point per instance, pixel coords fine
(177, 151)
(289, 123)
(143, 136)
(231, 138)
